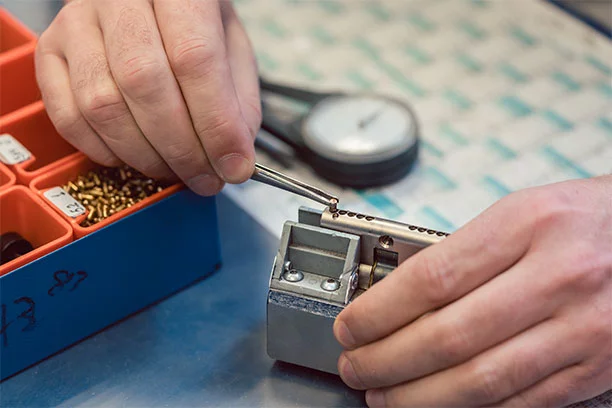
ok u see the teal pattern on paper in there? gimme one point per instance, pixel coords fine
(274, 28)
(480, 3)
(470, 63)
(309, 72)
(606, 124)
(436, 220)
(501, 149)
(516, 106)
(332, 7)
(436, 176)
(448, 132)
(382, 203)
(358, 79)
(321, 34)
(513, 73)
(431, 149)
(457, 99)
(599, 65)
(558, 120)
(418, 54)
(366, 47)
(496, 187)
(564, 162)
(606, 89)
(472, 30)
(266, 61)
(378, 11)
(399, 78)
(524, 37)
(420, 22)
(565, 80)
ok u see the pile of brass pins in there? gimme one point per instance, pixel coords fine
(106, 191)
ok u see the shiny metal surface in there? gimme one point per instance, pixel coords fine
(284, 182)
(300, 331)
(343, 253)
(203, 347)
(406, 240)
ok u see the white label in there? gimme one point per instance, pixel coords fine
(65, 202)
(11, 151)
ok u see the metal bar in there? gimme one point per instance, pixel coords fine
(279, 180)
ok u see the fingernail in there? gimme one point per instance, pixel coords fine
(235, 168)
(205, 184)
(347, 372)
(375, 398)
(343, 335)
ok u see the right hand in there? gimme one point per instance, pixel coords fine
(169, 87)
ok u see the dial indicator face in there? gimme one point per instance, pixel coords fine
(359, 129)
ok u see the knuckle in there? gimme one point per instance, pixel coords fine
(455, 343)
(194, 57)
(488, 383)
(156, 169)
(548, 206)
(66, 14)
(91, 68)
(66, 120)
(180, 155)
(438, 277)
(140, 76)
(364, 373)
(42, 45)
(107, 159)
(219, 131)
(584, 269)
(103, 107)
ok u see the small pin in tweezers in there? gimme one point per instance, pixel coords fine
(276, 179)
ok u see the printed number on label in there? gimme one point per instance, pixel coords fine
(11, 151)
(65, 202)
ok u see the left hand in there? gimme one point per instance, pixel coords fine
(514, 309)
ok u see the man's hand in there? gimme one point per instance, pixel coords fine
(514, 309)
(169, 87)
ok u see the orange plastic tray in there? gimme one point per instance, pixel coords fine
(15, 38)
(18, 81)
(80, 165)
(7, 178)
(21, 211)
(33, 129)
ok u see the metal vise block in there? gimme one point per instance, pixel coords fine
(324, 262)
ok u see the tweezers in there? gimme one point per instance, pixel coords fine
(284, 182)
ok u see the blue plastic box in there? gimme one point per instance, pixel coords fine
(78, 290)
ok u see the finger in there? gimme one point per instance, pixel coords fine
(195, 43)
(438, 275)
(54, 83)
(494, 375)
(456, 333)
(569, 386)
(141, 70)
(244, 68)
(99, 99)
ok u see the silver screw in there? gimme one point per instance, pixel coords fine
(293, 275)
(330, 285)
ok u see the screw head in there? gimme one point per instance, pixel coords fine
(386, 241)
(330, 285)
(293, 275)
